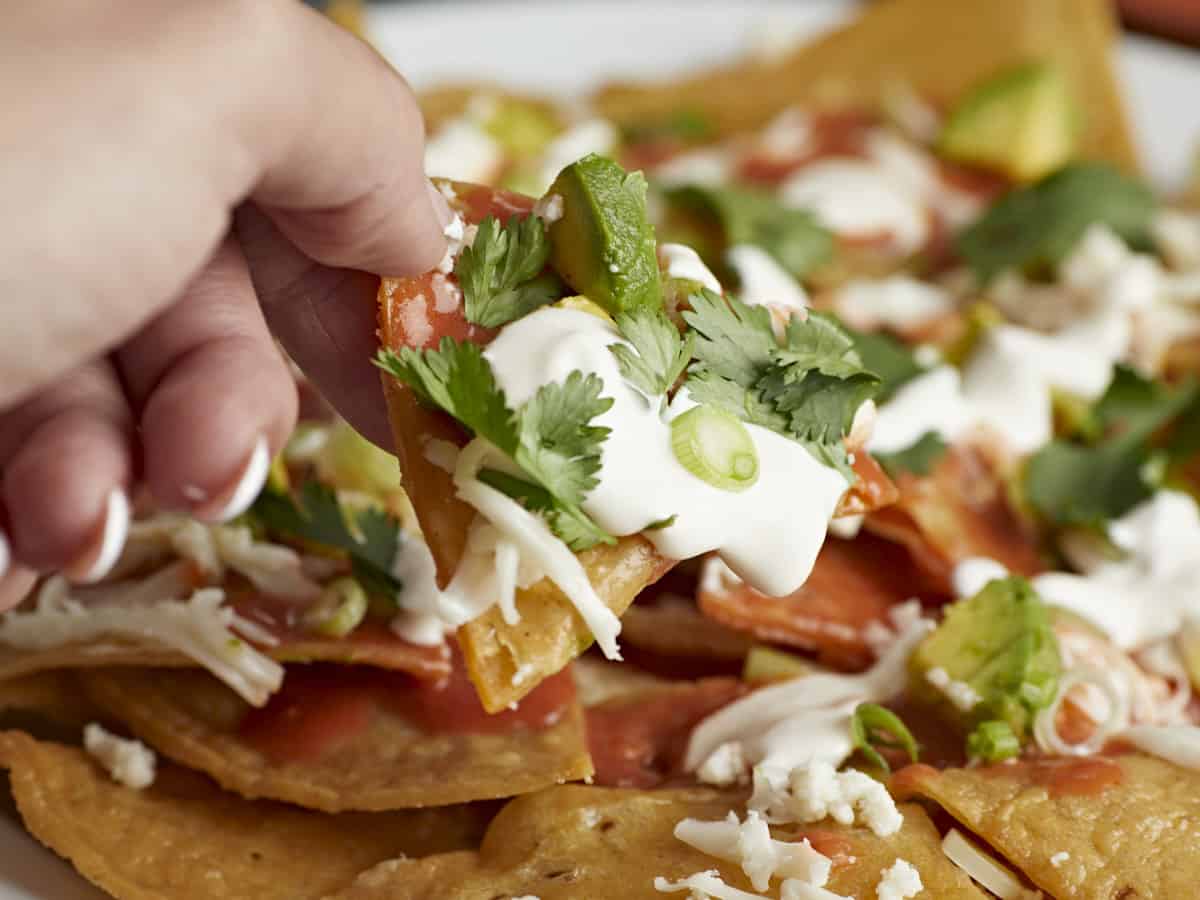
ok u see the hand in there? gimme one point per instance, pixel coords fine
(179, 180)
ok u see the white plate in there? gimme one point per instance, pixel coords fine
(564, 47)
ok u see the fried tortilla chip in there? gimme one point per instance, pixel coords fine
(339, 739)
(1092, 829)
(605, 844)
(185, 839)
(54, 698)
(551, 633)
(374, 646)
(853, 584)
(958, 511)
(939, 48)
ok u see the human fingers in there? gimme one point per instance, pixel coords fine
(324, 316)
(66, 459)
(123, 203)
(214, 396)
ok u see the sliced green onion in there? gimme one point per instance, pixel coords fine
(715, 447)
(873, 725)
(340, 609)
(993, 741)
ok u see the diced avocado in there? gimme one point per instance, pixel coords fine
(768, 664)
(603, 245)
(522, 127)
(997, 652)
(1022, 122)
(579, 303)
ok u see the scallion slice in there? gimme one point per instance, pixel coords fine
(993, 741)
(715, 447)
(340, 609)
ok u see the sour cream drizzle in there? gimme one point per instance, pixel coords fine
(769, 534)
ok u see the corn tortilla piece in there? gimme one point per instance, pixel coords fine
(1133, 839)
(391, 764)
(185, 839)
(604, 844)
(53, 698)
(384, 653)
(550, 633)
(940, 48)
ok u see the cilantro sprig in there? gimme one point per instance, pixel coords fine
(747, 216)
(1120, 455)
(369, 537)
(1033, 228)
(501, 273)
(550, 438)
(658, 355)
(806, 386)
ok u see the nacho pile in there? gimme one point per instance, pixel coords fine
(793, 498)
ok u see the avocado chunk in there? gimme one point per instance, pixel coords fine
(603, 245)
(1022, 122)
(994, 657)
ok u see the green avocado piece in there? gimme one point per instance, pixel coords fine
(1022, 122)
(603, 245)
(1001, 644)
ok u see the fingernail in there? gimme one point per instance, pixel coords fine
(441, 207)
(100, 561)
(249, 485)
(5, 555)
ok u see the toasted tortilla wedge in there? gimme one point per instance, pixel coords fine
(385, 761)
(54, 698)
(379, 649)
(605, 844)
(854, 583)
(940, 48)
(1132, 836)
(550, 633)
(185, 839)
(961, 509)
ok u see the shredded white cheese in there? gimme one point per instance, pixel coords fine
(129, 762)
(201, 628)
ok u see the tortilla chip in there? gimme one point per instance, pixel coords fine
(1132, 839)
(605, 844)
(941, 48)
(853, 584)
(958, 511)
(194, 841)
(53, 698)
(390, 763)
(376, 647)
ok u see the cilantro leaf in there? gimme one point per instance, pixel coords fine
(792, 236)
(550, 438)
(1134, 404)
(888, 358)
(576, 530)
(808, 388)
(456, 378)
(734, 349)
(369, 536)
(501, 272)
(1033, 228)
(558, 445)
(658, 355)
(1120, 462)
(920, 458)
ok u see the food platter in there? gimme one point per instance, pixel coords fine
(565, 49)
